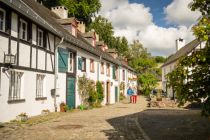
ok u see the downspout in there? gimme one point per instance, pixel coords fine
(98, 68)
(56, 72)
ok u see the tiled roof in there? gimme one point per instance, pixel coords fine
(67, 20)
(47, 19)
(183, 51)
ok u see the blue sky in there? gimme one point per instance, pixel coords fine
(155, 23)
(157, 10)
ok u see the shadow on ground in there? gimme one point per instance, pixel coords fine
(160, 124)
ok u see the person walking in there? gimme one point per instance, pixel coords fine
(130, 93)
(134, 95)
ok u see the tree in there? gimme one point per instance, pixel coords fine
(103, 28)
(50, 3)
(160, 59)
(83, 10)
(191, 78)
(105, 31)
(145, 66)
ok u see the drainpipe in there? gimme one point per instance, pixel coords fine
(56, 72)
(98, 73)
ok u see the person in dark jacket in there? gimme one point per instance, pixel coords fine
(130, 93)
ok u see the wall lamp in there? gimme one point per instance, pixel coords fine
(9, 60)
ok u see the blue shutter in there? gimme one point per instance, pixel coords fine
(62, 60)
(80, 63)
(113, 72)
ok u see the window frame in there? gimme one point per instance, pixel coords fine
(71, 62)
(92, 66)
(123, 74)
(107, 69)
(40, 85)
(21, 29)
(83, 64)
(15, 85)
(38, 38)
(102, 67)
(3, 20)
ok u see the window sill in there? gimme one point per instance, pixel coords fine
(41, 98)
(16, 101)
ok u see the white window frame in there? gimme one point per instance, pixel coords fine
(40, 84)
(71, 62)
(4, 20)
(15, 85)
(22, 32)
(40, 41)
(92, 67)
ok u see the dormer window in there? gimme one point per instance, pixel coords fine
(40, 38)
(2, 20)
(23, 29)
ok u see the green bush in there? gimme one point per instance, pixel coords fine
(100, 92)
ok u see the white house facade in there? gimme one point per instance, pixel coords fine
(49, 57)
(172, 61)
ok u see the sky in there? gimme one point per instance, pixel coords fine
(155, 23)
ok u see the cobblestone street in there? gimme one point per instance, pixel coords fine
(121, 121)
(92, 124)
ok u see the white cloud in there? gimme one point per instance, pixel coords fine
(134, 21)
(130, 15)
(178, 12)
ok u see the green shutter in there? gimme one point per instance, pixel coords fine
(113, 72)
(62, 60)
(80, 63)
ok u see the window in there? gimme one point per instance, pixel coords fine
(92, 65)
(40, 38)
(15, 85)
(2, 20)
(71, 62)
(108, 69)
(102, 67)
(123, 75)
(82, 64)
(23, 29)
(39, 85)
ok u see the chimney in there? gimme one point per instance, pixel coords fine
(60, 11)
(112, 52)
(179, 43)
(81, 27)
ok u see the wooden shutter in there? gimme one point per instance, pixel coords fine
(62, 60)
(80, 63)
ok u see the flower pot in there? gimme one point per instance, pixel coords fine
(62, 107)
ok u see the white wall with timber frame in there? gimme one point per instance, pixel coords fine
(31, 60)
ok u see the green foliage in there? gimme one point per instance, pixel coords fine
(105, 31)
(160, 59)
(83, 10)
(145, 65)
(100, 92)
(84, 88)
(148, 81)
(193, 85)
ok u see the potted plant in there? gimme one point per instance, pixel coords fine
(62, 107)
(45, 112)
(22, 117)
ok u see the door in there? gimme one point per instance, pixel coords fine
(70, 96)
(116, 94)
(107, 92)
